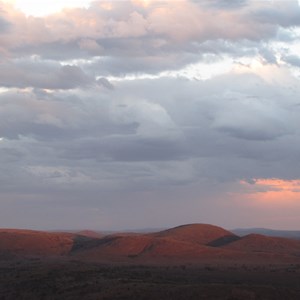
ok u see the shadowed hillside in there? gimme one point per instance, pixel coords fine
(90, 233)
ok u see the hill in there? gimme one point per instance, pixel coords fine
(203, 234)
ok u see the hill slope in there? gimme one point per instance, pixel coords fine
(30, 242)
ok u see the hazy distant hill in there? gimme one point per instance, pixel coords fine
(90, 233)
(293, 234)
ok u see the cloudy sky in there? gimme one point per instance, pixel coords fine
(136, 114)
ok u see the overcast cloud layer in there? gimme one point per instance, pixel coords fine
(131, 114)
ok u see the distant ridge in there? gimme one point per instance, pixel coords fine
(265, 244)
(90, 233)
(293, 234)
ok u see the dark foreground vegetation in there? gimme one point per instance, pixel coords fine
(36, 278)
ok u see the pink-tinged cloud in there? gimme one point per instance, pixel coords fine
(272, 191)
(172, 21)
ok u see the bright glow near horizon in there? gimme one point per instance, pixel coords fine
(46, 7)
(273, 190)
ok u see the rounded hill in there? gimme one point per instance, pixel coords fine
(203, 234)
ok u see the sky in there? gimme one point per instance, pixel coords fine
(149, 114)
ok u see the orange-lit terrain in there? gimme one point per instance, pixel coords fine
(196, 261)
(29, 242)
(195, 243)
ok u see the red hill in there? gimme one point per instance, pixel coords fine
(202, 234)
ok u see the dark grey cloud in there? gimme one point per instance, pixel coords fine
(225, 4)
(58, 116)
(4, 25)
(132, 148)
(105, 83)
(43, 75)
(268, 55)
(251, 118)
(286, 14)
(121, 66)
(294, 60)
(52, 50)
